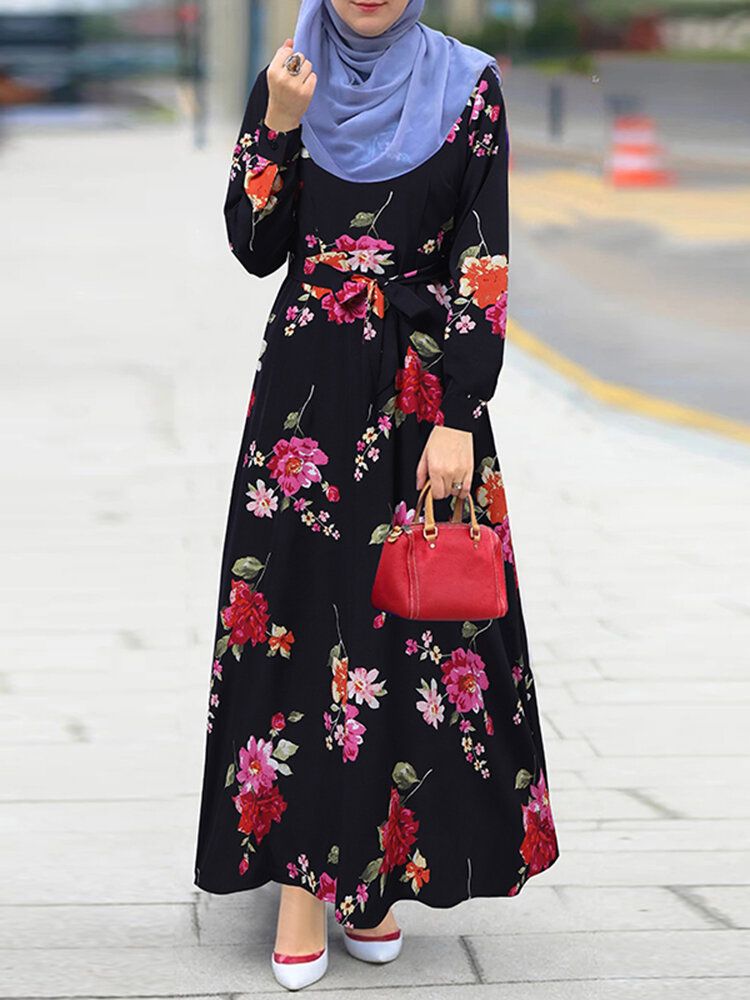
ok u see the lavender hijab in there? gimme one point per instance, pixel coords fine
(382, 105)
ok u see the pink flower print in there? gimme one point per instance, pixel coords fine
(427, 637)
(217, 669)
(465, 323)
(214, 701)
(362, 894)
(441, 294)
(363, 687)
(451, 137)
(411, 647)
(294, 463)
(263, 502)
(292, 869)
(379, 620)
(494, 112)
(489, 725)
(479, 101)
(384, 422)
(464, 725)
(465, 679)
(517, 674)
(503, 530)
(402, 514)
(326, 888)
(257, 771)
(244, 865)
(348, 304)
(497, 315)
(363, 253)
(431, 705)
(292, 312)
(349, 734)
(311, 239)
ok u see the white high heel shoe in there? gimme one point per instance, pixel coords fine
(297, 971)
(380, 949)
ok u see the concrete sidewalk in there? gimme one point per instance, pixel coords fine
(133, 339)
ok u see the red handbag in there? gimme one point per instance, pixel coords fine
(451, 572)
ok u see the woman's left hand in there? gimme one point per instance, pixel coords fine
(448, 458)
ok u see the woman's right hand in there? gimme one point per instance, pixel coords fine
(288, 95)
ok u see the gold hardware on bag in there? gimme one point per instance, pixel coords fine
(394, 533)
(430, 529)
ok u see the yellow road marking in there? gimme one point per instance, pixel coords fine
(624, 397)
(565, 197)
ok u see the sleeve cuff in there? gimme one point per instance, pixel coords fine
(458, 409)
(278, 147)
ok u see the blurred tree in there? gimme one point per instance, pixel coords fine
(556, 31)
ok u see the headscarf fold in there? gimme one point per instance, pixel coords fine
(382, 105)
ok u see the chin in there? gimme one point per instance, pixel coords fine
(372, 21)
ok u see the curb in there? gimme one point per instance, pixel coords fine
(624, 397)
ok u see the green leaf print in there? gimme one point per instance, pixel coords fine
(426, 345)
(284, 750)
(404, 776)
(247, 567)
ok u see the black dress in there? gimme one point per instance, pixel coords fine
(366, 757)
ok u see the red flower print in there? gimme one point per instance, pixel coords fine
(465, 679)
(280, 640)
(278, 722)
(539, 846)
(327, 888)
(484, 279)
(398, 832)
(294, 463)
(259, 811)
(332, 494)
(418, 874)
(244, 865)
(246, 614)
(346, 305)
(261, 180)
(491, 494)
(419, 391)
(251, 403)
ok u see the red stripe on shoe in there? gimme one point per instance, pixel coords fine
(369, 937)
(283, 959)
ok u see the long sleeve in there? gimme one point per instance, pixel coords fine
(259, 209)
(478, 262)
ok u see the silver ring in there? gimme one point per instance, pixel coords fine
(293, 63)
(457, 486)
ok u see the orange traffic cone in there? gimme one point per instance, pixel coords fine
(637, 158)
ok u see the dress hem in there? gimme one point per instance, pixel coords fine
(284, 879)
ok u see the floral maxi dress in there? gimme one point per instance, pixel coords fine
(365, 757)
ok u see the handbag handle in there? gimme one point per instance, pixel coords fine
(430, 528)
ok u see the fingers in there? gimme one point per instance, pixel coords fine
(422, 470)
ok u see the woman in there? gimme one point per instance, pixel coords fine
(352, 756)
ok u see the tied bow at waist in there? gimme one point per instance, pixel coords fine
(395, 290)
